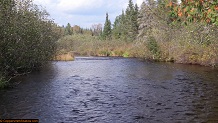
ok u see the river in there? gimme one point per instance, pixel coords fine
(114, 90)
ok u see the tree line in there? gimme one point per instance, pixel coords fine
(169, 30)
(160, 30)
(125, 26)
(107, 40)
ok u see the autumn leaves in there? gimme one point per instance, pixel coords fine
(205, 11)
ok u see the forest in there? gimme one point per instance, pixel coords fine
(160, 30)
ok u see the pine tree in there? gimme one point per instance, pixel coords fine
(107, 28)
(123, 27)
(116, 32)
(120, 30)
(126, 26)
(131, 21)
(136, 17)
(68, 30)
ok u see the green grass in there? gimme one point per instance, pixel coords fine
(126, 55)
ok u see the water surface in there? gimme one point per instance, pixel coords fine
(114, 90)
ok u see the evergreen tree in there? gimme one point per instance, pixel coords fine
(125, 25)
(136, 17)
(131, 21)
(120, 30)
(107, 28)
(116, 32)
(68, 30)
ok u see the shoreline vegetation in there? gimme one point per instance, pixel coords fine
(27, 39)
(162, 31)
(157, 31)
(65, 57)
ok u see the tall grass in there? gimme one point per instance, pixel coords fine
(87, 45)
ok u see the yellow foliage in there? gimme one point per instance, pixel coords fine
(65, 57)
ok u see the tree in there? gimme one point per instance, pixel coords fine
(131, 21)
(68, 30)
(117, 31)
(153, 16)
(195, 11)
(77, 29)
(125, 26)
(136, 17)
(107, 28)
(97, 29)
(27, 39)
(146, 19)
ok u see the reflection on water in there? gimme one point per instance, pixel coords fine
(114, 90)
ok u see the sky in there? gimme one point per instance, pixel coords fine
(83, 13)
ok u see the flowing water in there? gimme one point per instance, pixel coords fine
(114, 90)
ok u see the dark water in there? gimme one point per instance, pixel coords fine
(114, 90)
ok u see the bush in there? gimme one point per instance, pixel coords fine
(27, 38)
(153, 47)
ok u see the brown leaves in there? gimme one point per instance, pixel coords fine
(180, 12)
(216, 7)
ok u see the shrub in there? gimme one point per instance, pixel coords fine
(27, 39)
(153, 47)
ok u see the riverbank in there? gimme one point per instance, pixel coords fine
(69, 56)
(179, 51)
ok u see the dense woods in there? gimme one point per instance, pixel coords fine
(27, 38)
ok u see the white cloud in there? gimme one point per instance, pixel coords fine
(84, 12)
(91, 7)
(78, 5)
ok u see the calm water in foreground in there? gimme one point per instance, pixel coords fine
(114, 90)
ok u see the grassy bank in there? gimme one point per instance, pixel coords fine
(87, 45)
(64, 57)
(172, 46)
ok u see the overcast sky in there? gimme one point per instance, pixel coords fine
(83, 12)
